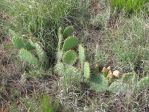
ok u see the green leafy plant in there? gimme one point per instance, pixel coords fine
(123, 85)
(72, 76)
(118, 87)
(18, 42)
(59, 68)
(67, 56)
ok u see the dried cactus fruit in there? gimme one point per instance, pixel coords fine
(116, 73)
(104, 70)
(110, 74)
(109, 67)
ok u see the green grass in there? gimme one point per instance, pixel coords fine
(41, 103)
(130, 44)
(129, 6)
(33, 15)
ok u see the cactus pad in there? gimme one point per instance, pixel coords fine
(70, 43)
(86, 70)
(68, 31)
(70, 57)
(28, 57)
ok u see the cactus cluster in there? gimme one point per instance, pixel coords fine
(71, 53)
(67, 51)
(72, 64)
(67, 56)
(30, 52)
(66, 46)
(129, 82)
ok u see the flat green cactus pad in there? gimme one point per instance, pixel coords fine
(68, 31)
(70, 43)
(86, 70)
(28, 57)
(70, 57)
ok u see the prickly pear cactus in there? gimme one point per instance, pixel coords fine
(81, 54)
(43, 58)
(71, 75)
(99, 83)
(70, 43)
(86, 70)
(28, 44)
(143, 84)
(68, 31)
(59, 69)
(70, 57)
(20, 42)
(28, 57)
(118, 87)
